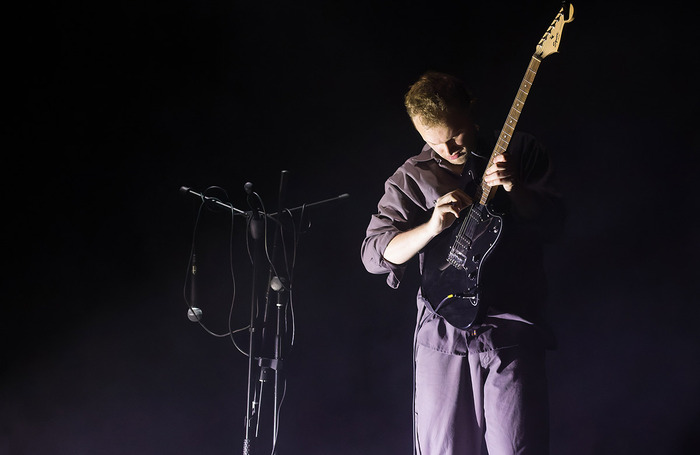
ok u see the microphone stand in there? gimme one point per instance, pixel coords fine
(254, 399)
(213, 201)
(275, 363)
(253, 217)
(282, 287)
(251, 405)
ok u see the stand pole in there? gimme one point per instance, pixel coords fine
(277, 351)
(278, 358)
(250, 402)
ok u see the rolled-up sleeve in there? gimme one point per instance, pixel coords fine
(397, 211)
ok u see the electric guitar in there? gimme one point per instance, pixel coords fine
(451, 277)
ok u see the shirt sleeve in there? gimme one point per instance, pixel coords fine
(398, 211)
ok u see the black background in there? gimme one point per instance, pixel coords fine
(115, 106)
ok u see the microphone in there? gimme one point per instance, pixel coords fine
(256, 229)
(278, 284)
(194, 314)
(248, 188)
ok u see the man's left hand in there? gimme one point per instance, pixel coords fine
(502, 172)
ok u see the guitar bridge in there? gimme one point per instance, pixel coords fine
(457, 259)
(457, 256)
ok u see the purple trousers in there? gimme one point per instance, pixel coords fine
(490, 402)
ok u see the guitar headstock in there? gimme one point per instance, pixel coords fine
(549, 44)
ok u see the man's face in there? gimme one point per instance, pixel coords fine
(452, 139)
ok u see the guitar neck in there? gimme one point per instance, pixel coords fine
(510, 123)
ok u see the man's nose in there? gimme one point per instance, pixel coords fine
(452, 146)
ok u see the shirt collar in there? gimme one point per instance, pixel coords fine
(428, 154)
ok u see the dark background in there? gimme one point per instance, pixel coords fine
(117, 105)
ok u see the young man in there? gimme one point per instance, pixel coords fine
(485, 387)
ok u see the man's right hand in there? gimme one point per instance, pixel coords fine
(447, 209)
(407, 244)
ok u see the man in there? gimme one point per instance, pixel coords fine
(485, 388)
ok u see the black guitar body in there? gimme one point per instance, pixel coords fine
(453, 264)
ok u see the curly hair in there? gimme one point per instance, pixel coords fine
(436, 97)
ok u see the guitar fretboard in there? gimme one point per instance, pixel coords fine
(511, 121)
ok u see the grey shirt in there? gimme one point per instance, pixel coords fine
(516, 280)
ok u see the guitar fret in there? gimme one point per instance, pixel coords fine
(511, 121)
